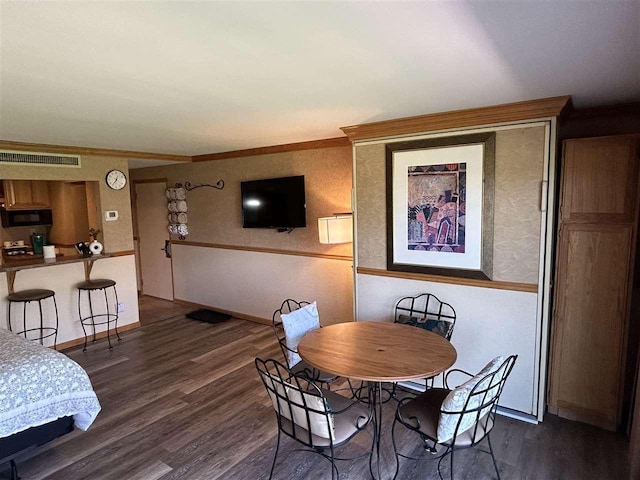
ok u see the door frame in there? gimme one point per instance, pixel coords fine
(136, 237)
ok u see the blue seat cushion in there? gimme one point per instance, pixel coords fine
(441, 327)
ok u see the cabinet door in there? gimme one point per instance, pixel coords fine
(26, 194)
(590, 320)
(18, 193)
(599, 179)
(40, 194)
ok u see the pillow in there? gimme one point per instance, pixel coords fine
(457, 398)
(441, 327)
(317, 423)
(296, 324)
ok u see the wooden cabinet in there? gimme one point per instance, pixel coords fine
(597, 227)
(71, 218)
(26, 194)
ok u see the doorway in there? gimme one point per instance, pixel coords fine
(154, 261)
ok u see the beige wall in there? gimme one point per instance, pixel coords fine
(215, 216)
(516, 231)
(117, 235)
(254, 283)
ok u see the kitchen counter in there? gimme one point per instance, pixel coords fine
(13, 266)
(36, 261)
(63, 276)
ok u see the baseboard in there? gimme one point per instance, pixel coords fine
(523, 417)
(79, 341)
(243, 316)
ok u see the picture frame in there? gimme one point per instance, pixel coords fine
(440, 202)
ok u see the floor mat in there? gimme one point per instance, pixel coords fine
(209, 316)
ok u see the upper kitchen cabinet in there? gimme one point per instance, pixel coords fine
(26, 194)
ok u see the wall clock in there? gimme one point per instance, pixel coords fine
(116, 179)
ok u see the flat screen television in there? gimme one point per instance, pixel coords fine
(274, 203)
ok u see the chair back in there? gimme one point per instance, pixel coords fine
(288, 306)
(479, 398)
(428, 312)
(301, 409)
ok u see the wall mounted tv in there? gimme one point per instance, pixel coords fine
(274, 203)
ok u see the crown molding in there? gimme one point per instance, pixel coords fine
(287, 147)
(472, 117)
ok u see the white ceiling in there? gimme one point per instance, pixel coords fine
(201, 77)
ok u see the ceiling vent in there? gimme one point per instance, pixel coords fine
(39, 159)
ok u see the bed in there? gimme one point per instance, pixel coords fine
(43, 395)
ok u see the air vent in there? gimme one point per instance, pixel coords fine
(39, 159)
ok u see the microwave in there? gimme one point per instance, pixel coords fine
(26, 218)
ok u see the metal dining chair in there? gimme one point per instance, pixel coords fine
(455, 418)
(321, 420)
(289, 345)
(428, 312)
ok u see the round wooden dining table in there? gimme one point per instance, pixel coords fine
(377, 352)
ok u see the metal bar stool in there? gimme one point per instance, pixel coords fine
(36, 295)
(98, 285)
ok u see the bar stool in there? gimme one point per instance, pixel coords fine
(36, 295)
(98, 285)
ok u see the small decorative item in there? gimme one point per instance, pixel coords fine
(83, 248)
(93, 233)
(95, 247)
(440, 206)
(116, 179)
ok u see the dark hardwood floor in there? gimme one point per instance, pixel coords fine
(182, 400)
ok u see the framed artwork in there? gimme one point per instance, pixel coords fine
(440, 195)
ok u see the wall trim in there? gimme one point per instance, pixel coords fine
(79, 341)
(242, 316)
(287, 147)
(262, 250)
(103, 152)
(150, 180)
(518, 287)
(509, 112)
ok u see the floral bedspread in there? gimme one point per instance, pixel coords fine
(39, 385)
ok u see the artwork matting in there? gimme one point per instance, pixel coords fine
(440, 196)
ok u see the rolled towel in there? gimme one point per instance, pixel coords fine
(182, 217)
(181, 206)
(181, 194)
